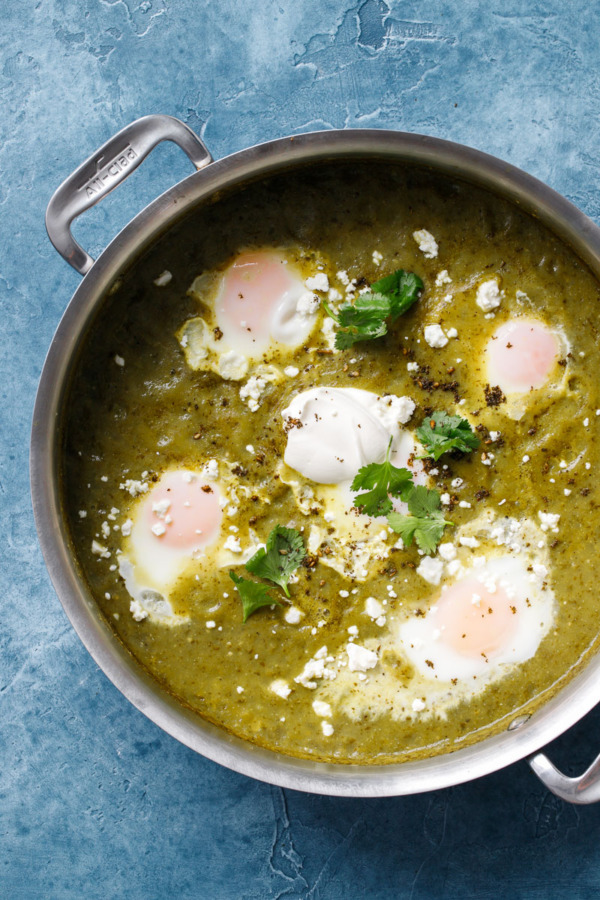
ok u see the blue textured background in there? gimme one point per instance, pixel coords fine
(95, 801)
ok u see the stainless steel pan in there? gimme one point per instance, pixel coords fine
(103, 171)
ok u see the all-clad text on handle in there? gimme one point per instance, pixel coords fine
(107, 168)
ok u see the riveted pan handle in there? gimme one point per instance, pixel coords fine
(582, 790)
(107, 168)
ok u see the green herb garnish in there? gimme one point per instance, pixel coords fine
(365, 319)
(380, 480)
(443, 433)
(252, 594)
(426, 523)
(283, 554)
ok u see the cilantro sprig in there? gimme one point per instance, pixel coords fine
(365, 319)
(442, 433)
(378, 481)
(426, 522)
(281, 557)
(276, 562)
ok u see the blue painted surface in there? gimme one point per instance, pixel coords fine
(95, 801)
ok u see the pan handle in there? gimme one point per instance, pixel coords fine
(107, 168)
(582, 790)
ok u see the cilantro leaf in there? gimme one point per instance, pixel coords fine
(283, 554)
(426, 523)
(443, 433)
(365, 319)
(360, 321)
(402, 288)
(380, 480)
(252, 594)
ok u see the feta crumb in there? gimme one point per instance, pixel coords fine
(494, 435)
(307, 304)
(377, 257)
(99, 550)
(567, 492)
(469, 542)
(135, 488)
(360, 659)
(314, 668)
(427, 243)
(158, 529)
(318, 282)
(334, 295)
(137, 611)
(586, 422)
(391, 410)
(418, 705)
(293, 615)
(447, 551)
(488, 295)
(321, 708)
(327, 728)
(431, 569)
(464, 504)
(119, 360)
(353, 630)
(373, 608)
(452, 333)
(457, 483)
(291, 371)
(445, 499)
(232, 366)
(210, 470)
(281, 688)
(211, 624)
(344, 594)
(442, 278)
(435, 336)
(549, 521)
(163, 279)
(233, 543)
(161, 508)
(412, 367)
(526, 458)
(82, 514)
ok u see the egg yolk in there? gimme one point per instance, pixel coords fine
(475, 622)
(257, 300)
(183, 512)
(521, 355)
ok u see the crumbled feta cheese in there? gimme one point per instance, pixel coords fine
(469, 542)
(377, 257)
(334, 295)
(549, 521)
(233, 543)
(82, 514)
(135, 488)
(435, 336)
(431, 569)
(321, 708)
(447, 551)
(360, 659)
(318, 282)
(418, 705)
(464, 504)
(452, 333)
(105, 529)
(281, 688)
(161, 508)
(342, 276)
(119, 360)
(291, 371)
(211, 624)
(442, 278)
(232, 366)
(412, 367)
(391, 409)
(158, 529)
(137, 611)
(327, 728)
(210, 470)
(445, 499)
(488, 295)
(427, 243)
(373, 608)
(314, 669)
(99, 550)
(163, 279)
(526, 458)
(293, 615)
(307, 304)
(494, 435)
